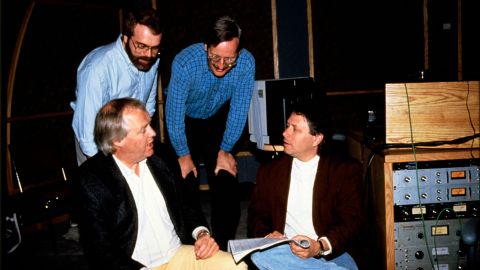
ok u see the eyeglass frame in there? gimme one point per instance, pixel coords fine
(140, 47)
(215, 59)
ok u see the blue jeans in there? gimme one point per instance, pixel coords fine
(282, 258)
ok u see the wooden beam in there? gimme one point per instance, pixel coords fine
(10, 85)
(311, 59)
(426, 60)
(276, 70)
(459, 41)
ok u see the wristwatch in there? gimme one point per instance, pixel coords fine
(202, 233)
(321, 251)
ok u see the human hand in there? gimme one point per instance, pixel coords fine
(304, 253)
(226, 161)
(187, 166)
(205, 247)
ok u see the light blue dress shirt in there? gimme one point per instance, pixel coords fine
(107, 73)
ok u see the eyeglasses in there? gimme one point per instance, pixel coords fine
(142, 48)
(228, 61)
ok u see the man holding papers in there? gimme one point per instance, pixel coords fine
(306, 194)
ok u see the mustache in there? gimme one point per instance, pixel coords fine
(145, 58)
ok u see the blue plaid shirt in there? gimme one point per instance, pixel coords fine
(196, 92)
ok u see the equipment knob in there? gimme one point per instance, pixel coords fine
(419, 254)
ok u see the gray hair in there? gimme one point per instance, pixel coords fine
(110, 125)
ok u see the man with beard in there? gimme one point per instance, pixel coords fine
(208, 97)
(127, 67)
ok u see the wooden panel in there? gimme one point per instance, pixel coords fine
(380, 213)
(438, 111)
(389, 218)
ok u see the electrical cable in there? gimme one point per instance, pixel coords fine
(16, 228)
(378, 148)
(435, 234)
(470, 117)
(416, 176)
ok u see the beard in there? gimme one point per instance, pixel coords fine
(143, 63)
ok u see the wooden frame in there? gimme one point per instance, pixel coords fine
(428, 112)
(382, 181)
(311, 63)
(10, 177)
(10, 85)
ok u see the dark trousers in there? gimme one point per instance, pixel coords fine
(204, 137)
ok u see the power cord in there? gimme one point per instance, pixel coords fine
(10, 231)
(377, 148)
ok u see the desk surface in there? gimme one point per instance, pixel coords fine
(271, 147)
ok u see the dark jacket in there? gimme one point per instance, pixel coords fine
(337, 204)
(107, 214)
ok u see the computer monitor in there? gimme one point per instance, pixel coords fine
(271, 105)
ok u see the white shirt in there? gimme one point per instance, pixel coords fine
(157, 240)
(300, 200)
(299, 207)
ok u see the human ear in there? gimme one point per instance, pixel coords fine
(318, 139)
(117, 144)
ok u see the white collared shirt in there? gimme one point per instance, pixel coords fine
(157, 240)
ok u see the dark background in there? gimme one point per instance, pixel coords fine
(358, 45)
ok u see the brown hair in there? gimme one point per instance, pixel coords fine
(148, 17)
